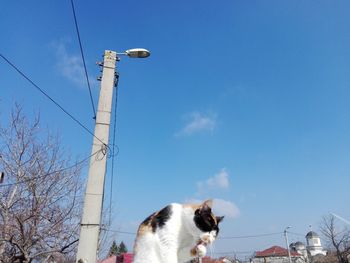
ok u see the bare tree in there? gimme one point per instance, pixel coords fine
(40, 199)
(329, 258)
(339, 240)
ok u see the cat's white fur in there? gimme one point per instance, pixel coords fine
(173, 242)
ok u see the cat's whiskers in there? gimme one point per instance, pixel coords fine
(211, 250)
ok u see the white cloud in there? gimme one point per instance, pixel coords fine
(218, 181)
(70, 65)
(197, 122)
(225, 208)
(220, 207)
(211, 187)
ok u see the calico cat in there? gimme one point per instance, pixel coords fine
(176, 234)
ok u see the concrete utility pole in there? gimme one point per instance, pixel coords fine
(91, 220)
(90, 223)
(287, 244)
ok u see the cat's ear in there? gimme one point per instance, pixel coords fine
(207, 205)
(219, 219)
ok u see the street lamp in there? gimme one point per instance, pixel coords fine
(287, 242)
(136, 53)
(91, 218)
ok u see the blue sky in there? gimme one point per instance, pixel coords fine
(246, 102)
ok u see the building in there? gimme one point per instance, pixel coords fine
(277, 254)
(314, 246)
(207, 259)
(300, 248)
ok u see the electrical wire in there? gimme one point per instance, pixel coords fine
(83, 58)
(113, 147)
(52, 100)
(252, 236)
(294, 233)
(233, 252)
(119, 232)
(232, 237)
(54, 172)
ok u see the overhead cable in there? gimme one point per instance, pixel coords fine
(114, 146)
(51, 99)
(119, 232)
(297, 234)
(233, 252)
(251, 236)
(83, 58)
(231, 237)
(51, 173)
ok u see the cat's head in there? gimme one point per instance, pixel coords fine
(206, 221)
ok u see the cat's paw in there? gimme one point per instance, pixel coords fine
(201, 250)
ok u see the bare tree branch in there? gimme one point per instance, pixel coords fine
(39, 214)
(338, 241)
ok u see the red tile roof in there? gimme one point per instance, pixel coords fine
(276, 251)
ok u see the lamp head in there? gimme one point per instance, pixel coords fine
(138, 53)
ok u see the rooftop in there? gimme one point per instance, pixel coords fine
(312, 234)
(276, 251)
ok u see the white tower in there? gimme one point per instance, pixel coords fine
(314, 246)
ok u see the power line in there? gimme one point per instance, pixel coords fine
(232, 237)
(119, 232)
(83, 58)
(297, 234)
(51, 99)
(113, 146)
(233, 252)
(54, 172)
(251, 236)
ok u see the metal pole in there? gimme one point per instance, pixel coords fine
(90, 223)
(287, 244)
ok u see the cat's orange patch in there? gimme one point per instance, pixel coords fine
(209, 203)
(194, 252)
(143, 229)
(146, 226)
(193, 206)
